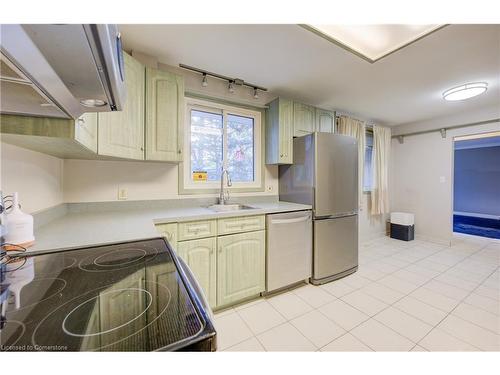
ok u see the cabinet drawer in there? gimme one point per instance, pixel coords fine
(169, 231)
(197, 229)
(241, 224)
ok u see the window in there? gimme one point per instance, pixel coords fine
(220, 136)
(368, 170)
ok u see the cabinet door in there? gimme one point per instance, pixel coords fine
(200, 257)
(285, 131)
(86, 130)
(169, 231)
(240, 266)
(325, 121)
(121, 133)
(164, 115)
(303, 119)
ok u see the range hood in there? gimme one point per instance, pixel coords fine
(61, 70)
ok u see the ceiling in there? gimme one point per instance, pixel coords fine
(291, 61)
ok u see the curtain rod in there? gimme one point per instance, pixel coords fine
(444, 129)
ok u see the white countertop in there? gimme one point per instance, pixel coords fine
(97, 228)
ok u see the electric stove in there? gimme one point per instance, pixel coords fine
(134, 296)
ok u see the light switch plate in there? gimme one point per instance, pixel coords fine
(122, 194)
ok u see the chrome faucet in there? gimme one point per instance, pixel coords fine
(224, 197)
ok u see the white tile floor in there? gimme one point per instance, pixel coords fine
(406, 296)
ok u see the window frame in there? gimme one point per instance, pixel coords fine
(186, 184)
(368, 132)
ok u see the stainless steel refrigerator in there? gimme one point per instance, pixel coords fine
(324, 174)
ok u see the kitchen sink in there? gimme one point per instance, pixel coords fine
(229, 207)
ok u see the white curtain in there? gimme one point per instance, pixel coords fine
(380, 168)
(355, 128)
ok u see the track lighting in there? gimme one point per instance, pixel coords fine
(232, 82)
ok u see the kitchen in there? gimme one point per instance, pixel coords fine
(159, 197)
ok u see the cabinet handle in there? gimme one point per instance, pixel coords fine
(81, 121)
(180, 151)
(142, 148)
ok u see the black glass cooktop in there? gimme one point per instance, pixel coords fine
(125, 297)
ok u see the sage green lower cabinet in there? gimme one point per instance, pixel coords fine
(240, 266)
(200, 256)
(169, 231)
(227, 255)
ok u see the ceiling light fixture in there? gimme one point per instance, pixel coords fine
(372, 42)
(467, 91)
(93, 102)
(230, 87)
(255, 93)
(204, 82)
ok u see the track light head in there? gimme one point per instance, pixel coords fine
(255, 93)
(204, 82)
(231, 87)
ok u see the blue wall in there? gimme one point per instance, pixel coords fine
(477, 180)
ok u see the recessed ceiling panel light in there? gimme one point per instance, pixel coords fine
(372, 42)
(462, 92)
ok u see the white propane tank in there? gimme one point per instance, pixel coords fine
(19, 226)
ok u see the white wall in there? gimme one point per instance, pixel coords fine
(370, 227)
(97, 181)
(37, 177)
(422, 177)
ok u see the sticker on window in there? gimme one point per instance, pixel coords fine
(200, 175)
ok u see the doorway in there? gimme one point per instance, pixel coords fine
(476, 187)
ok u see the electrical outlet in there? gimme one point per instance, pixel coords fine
(122, 194)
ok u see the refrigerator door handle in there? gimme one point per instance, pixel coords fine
(338, 215)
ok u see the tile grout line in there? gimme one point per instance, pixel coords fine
(460, 301)
(389, 305)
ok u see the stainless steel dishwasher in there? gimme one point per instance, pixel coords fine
(289, 249)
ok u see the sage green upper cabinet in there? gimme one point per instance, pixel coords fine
(164, 115)
(86, 130)
(325, 121)
(62, 138)
(240, 266)
(201, 259)
(121, 133)
(303, 119)
(279, 132)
